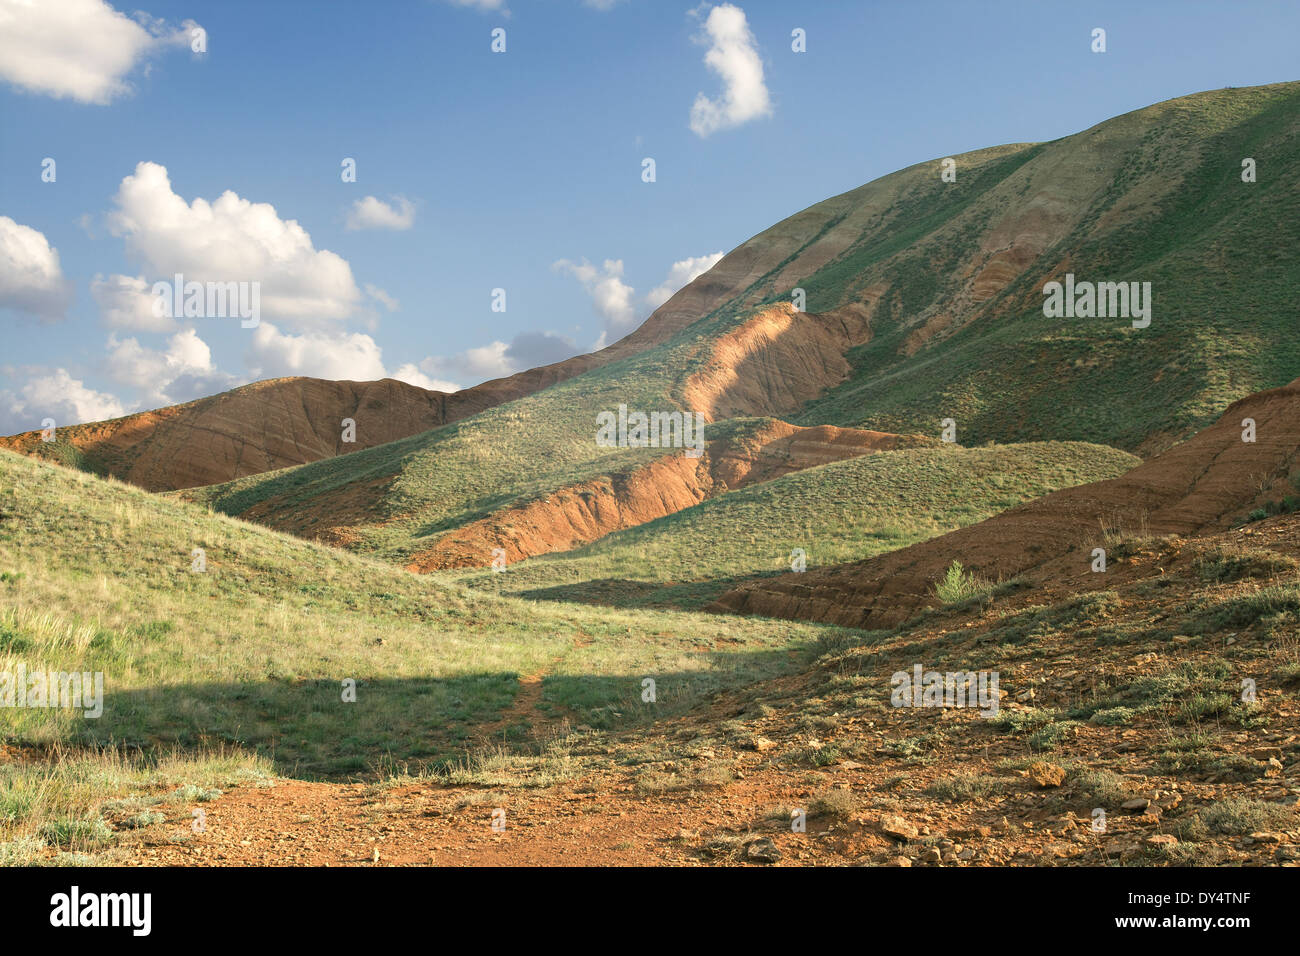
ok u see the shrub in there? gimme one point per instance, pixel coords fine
(1239, 816)
(958, 585)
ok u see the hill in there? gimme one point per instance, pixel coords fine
(924, 299)
(1214, 481)
(834, 512)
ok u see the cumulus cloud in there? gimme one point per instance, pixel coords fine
(232, 240)
(126, 302)
(615, 300)
(344, 356)
(179, 373)
(52, 394)
(611, 296)
(373, 213)
(472, 365)
(733, 55)
(411, 374)
(680, 273)
(79, 49)
(31, 279)
(497, 359)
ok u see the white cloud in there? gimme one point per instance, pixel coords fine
(486, 6)
(473, 365)
(372, 213)
(346, 356)
(232, 240)
(55, 395)
(78, 49)
(680, 273)
(614, 299)
(182, 372)
(733, 55)
(611, 296)
(127, 302)
(31, 279)
(382, 297)
(498, 359)
(411, 374)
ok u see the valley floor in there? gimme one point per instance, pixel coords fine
(1117, 743)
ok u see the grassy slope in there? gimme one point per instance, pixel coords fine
(96, 576)
(838, 512)
(1174, 213)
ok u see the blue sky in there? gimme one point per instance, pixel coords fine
(519, 170)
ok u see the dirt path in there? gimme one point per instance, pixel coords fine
(321, 824)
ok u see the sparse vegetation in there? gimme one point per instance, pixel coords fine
(959, 585)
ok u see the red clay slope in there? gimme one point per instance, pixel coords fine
(1204, 484)
(577, 514)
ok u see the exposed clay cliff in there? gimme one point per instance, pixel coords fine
(575, 515)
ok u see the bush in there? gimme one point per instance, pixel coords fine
(1239, 816)
(959, 585)
(1223, 564)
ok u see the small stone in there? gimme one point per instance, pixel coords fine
(1046, 774)
(763, 850)
(1266, 837)
(931, 855)
(1136, 805)
(898, 861)
(897, 827)
(1161, 839)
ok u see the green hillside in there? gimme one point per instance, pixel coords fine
(1160, 199)
(839, 512)
(251, 653)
